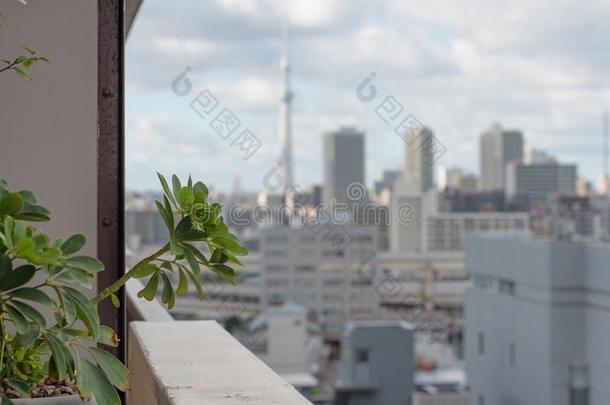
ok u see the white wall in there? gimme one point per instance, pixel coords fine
(48, 127)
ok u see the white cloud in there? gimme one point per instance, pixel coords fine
(189, 47)
(459, 66)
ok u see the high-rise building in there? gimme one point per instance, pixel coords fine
(538, 156)
(468, 183)
(454, 178)
(537, 321)
(343, 164)
(538, 182)
(387, 181)
(420, 160)
(284, 117)
(497, 148)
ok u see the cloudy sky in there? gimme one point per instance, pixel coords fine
(459, 66)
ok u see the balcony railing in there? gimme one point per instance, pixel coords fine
(194, 362)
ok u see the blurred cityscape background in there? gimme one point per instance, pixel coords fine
(421, 266)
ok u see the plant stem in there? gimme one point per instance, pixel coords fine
(4, 337)
(121, 281)
(7, 67)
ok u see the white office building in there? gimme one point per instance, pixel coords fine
(446, 231)
(303, 266)
(498, 147)
(537, 321)
(420, 159)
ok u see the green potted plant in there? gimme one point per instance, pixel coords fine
(63, 361)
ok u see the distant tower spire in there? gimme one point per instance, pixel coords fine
(605, 150)
(284, 114)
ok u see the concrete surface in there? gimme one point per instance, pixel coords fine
(198, 362)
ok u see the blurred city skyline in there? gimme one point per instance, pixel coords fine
(458, 69)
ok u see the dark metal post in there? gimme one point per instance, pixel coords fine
(110, 161)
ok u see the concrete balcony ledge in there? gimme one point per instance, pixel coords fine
(199, 363)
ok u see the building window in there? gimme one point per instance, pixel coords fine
(506, 286)
(481, 342)
(483, 282)
(362, 355)
(579, 385)
(512, 355)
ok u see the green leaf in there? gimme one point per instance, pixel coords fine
(85, 311)
(144, 270)
(26, 249)
(231, 245)
(31, 313)
(183, 287)
(150, 290)
(166, 214)
(186, 232)
(28, 338)
(34, 213)
(108, 336)
(166, 190)
(17, 277)
(186, 197)
(69, 308)
(167, 295)
(234, 260)
(87, 263)
(196, 252)
(23, 74)
(176, 187)
(115, 301)
(60, 354)
(27, 196)
(9, 227)
(115, 371)
(201, 192)
(75, 332)
(91, 380)
(190, 258)
(19, 231)
(18, 319)
(6, 266)
(170, 214)
(73, 244)
(84, 378)
(32, 294)
(225, 272)
(20, 386)
(10, 204)
(218, 256)
(197, 284)
(218, 230)
(175, 248)
(76, 277)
